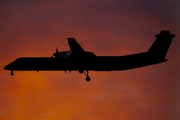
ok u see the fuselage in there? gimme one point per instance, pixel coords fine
(96, 63)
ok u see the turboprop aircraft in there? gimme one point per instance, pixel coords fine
(77, 59)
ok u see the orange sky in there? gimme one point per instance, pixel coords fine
(35, 28)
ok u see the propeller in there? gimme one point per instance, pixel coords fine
(57, 50)
(56, 53)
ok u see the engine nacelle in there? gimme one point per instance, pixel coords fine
(63, 54)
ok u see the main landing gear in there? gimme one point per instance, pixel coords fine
(12, 72)
(87, 76)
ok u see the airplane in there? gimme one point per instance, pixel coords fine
(77, 59)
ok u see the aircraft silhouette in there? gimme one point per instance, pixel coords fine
(80, 60)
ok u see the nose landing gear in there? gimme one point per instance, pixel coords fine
(87, 76)
(12, 72)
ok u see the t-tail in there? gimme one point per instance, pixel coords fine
(161, 45)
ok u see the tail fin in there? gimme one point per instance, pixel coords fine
(74, 46)
(161, 44)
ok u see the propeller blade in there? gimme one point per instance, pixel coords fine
(57, 50)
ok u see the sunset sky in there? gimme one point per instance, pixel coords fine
(34, 28)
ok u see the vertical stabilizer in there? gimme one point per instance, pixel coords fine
(161, 45)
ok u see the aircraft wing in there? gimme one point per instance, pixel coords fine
(74, 46)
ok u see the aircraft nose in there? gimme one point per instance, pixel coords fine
(6, 67)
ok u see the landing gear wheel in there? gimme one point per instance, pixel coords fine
(12, 73)
(88, 78)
